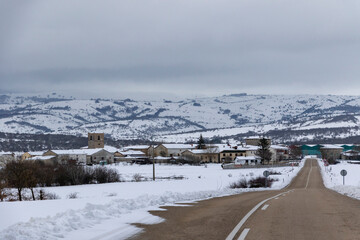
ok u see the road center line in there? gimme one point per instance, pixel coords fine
(265, 207)
(246, 217)
(307, 182)
(243, 234)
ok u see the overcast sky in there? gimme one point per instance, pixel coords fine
(182, 47)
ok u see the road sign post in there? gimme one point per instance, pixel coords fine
(343, 173)
(266, 173)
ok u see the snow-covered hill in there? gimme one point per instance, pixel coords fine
(302, 116)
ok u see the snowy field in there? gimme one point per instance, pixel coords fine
(106, 211)
(333, 179)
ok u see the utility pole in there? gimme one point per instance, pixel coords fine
(153, 160)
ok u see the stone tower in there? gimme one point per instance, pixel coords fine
(95, 140)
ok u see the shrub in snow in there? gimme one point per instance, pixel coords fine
(47, 195)
(3, 187)
(242, 183)
(253, 183)
(229, 175)
(180, 177)
(137, 177)
(73, 195)
(261, 182)
(274, 173)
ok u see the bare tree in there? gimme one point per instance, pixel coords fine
(30, 176)
(15, 173)
(295, 152)
(3, 186)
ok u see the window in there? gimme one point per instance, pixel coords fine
(99, 138)
(224, 154)
(91, 138)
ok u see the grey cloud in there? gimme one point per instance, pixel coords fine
(215, 46)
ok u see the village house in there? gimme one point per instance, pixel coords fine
(28, 155)
(228, 153)
(6, 157)
(81, 156)
(172, 150)
(350, 155)
(331, 152)
(47, 160)
(146, 149)
(202, 155)
(248, 160)
(129, 156)
(279, 153)
(250, 150)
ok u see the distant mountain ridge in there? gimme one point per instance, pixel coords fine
(288, 117)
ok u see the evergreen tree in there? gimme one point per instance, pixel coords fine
(264, 150)
(201, 143)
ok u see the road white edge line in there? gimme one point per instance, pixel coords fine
(243, 234)
(265, 207)
(241, 223)
(307, 182)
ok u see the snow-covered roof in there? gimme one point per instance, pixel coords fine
(77, 151)
(256, 137)
(41, 158)
(225, 147)
(179, 146)
(250, 147)
(204, 151)
(279, 147)
(111, 149)
(106, 147)
(38, 153)
(330, 146)
(137, 147)
(162, 158)
(349, 145)
(132, 152)
(351, 153)
(6, 153)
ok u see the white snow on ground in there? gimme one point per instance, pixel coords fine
(105, 211)
(334, 180)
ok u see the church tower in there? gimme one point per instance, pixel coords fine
(95, 140)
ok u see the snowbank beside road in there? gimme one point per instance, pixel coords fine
(112, 207)
(333, 179)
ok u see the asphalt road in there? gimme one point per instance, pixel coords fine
(307, 210)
